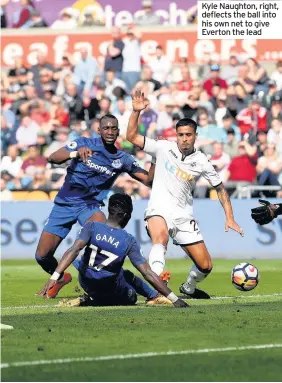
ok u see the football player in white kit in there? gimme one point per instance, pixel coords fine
(170, 208)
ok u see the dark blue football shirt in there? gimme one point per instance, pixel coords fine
(90, 182)
(106, 250)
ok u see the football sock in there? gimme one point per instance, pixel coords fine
(195, 275)
(48, 264)
(141, 287)
(157, 258)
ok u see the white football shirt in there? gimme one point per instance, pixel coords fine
(175, 179)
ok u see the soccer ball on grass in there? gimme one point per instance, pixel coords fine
(245, 276)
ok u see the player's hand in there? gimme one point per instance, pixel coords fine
(231, 224)
(46, 287)
(84, 153)
(264, 214)
(139, 102)
(180, 304)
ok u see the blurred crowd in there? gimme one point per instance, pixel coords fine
(238, 108)
(70, 17)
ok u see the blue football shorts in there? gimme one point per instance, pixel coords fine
(63, 217)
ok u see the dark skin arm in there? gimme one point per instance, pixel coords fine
(67, 259)
(226, 204)
(157, 283)
(62, 155)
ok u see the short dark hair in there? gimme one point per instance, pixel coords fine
(120, 204)
(187, 122)
(108, 116)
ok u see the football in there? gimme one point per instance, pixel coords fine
(245, 276)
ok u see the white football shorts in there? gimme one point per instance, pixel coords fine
(183, 230)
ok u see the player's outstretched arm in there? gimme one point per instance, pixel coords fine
(62, 155)
(226, 204)
(266, 213)
(139, 102)
(159, 285)
(67, 259)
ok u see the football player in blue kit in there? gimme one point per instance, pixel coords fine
(106, 245)
(96, 164)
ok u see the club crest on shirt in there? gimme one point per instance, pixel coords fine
(116, 164)
(72, 145)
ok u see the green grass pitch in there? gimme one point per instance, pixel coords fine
(48, 333)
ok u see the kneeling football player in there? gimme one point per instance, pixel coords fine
(100, 269)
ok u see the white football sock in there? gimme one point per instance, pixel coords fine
(157, 258)
(194, 276)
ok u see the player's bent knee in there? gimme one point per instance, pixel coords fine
(128, 276)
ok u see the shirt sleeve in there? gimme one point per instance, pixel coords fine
(210, 174)
(75, 144)
(131, 165)
(85, 232)
(150, 146)
(135, 254)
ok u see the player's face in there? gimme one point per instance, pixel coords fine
(109, 130)
(186, 137)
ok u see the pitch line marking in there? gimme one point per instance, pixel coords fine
(136, 356)
(213, 298)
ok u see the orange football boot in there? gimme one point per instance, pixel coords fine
(53, 292)
(165, 276)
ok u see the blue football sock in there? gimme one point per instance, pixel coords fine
(141, 287)
(48, 263)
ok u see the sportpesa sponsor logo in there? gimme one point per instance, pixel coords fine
(100, 168)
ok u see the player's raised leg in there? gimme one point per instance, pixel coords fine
(199, 271)
(158, 231)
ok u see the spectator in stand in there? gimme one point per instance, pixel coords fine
(105, 107)
(73, 103)
(253, 118)
(58, 111)
(12, 162)
(146, 16)
(3, 22)
(207, 133)
(269, 96)
(214, 79)
(221, 108)
(131, 58)
(160, 66)
(244, 80)
(123, 117)
(16, 71)
(242, 98)
(231, 144)
(261, 142)
(258, 75)
(275, 110)
(165, 116)
(68, 19)
(85, 70)
(277, 75)
(26, 134)
(243, 167)
(186, 82)
(64, 74)
(6, 194)
(32, 161)
(148, 122)
(170, 133)
(36, 69)
(89, 20)
(227, 124)
(111, 83)
(229, 72)
(61, 140)
(77, 128)
(114, 57)
(22, 18)
(40, 180)
(8, 135)
(147, 75)
(269, 167)
(36, 20)
(47, 83)
(95, 128)
(274, 135)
